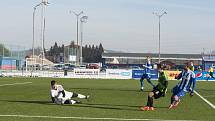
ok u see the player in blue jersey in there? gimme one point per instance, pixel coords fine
(192, 82)
(188, 80)
(147, 74)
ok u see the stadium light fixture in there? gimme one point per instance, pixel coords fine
(33, 37)
(43, 27)
(43, 4)
(159, 15)
(83, 19)
(77, 16)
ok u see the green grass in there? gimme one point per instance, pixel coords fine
(109, 99)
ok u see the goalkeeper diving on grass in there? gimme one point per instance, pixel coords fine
(158, 91)
(61, 96)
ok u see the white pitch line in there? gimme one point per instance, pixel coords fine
(15, 84)
(208, 102)
(88, 118)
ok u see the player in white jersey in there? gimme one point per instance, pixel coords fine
(61, 96)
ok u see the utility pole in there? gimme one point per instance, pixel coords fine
(159, 35)
(77, 22)
(83, 20)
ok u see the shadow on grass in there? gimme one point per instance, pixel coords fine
(103, 89)
(88, 105)
(108, 106)
(98, 106)
(132, 106)
(113, 107)
(29, 101)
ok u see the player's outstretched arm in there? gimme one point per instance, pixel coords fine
(179, 76)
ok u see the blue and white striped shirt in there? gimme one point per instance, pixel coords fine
(148, 68)
(186, 76)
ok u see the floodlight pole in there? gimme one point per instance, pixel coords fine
(33, 42)
(77, 16)
(83, 19)
(159, 35)
(43, 23)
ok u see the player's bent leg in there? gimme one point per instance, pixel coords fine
(72, 102)
(149, 105)
(142, 83)
(74, 95)
(172, 99)
(150, 99)
(178, 96)
(177, 101)
(172, 102)
(80, 96)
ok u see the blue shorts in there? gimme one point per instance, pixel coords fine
(181, 93)
(176, 91)
(146, 76)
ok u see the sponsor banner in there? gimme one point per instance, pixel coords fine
(204, 75)
(79, 72)
(8, 67)
(199, 75)
(119, 73)
(172, 74)
(137, 74)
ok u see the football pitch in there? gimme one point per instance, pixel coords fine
(27, 99)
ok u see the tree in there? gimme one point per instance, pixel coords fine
(92, 54)
(101, 49)
(54, 53)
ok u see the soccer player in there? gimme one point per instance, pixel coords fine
(147, 74)
(61, 96)
(158, 91)
(191, 66)
(210, 71)
(199, 69)
(188, 80)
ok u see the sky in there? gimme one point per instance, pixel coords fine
(121, 25)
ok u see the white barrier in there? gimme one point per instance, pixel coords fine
(119, 73)
(86, 73)
(36, 74)
(77, 73)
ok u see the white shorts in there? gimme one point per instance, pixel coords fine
(68, 95)
(60, 99)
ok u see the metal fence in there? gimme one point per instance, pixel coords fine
(11, 53)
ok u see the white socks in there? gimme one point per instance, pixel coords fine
(73, 102)
(81, 96)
